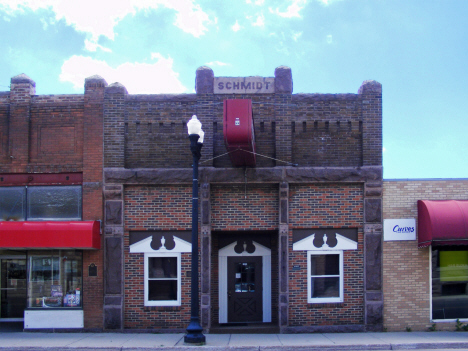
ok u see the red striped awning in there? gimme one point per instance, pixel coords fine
(442, 222)
(50, 235)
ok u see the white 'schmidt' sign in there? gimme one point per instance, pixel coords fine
(241, 85)
(399, 229)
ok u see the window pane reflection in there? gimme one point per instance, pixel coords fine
(245, 277)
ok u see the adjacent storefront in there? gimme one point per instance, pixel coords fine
(42, 239)
(425, 254)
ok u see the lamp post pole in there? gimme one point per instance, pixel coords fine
(194, 334)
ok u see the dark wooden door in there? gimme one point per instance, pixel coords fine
(245, 289)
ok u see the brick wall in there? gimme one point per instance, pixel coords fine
(244, 207)
(51, 134)
(327, 206)
(332, 123)
(406, 268)
(155, 208)
(308, 129)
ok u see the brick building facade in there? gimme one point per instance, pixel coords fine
(293, 243)
(51, 175)
(409, 280)
(307, 217)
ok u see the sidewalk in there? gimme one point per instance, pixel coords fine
(235, 342)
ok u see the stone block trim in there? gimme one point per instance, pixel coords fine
(406, 269)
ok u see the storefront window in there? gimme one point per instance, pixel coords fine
(36, 203)
(54, 202)
(13, 203)
(55, 279)
(449, 283)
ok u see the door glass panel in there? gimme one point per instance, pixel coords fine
(13, 288)
(245, 277)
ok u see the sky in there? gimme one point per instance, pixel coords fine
(417, 50)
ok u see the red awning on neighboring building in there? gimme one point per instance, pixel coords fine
(443, 222)
(50, 235)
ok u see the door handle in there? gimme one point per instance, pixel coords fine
(229, 294)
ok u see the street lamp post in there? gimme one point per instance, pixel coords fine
(194, 334)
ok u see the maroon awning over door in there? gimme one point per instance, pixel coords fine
(442, 222)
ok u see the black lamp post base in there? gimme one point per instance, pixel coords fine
(194, 334)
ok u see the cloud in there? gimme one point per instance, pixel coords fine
(292, 10)
(98, 18)
(155, 78)
(236, 27)
(296, 35)
(217, 63)
(329, 39)
(255, 2)
(257, 20)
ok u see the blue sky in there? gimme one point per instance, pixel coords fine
(417, 50)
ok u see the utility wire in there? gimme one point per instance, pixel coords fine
(253, 153)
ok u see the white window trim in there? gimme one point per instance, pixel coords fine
(179, 281)
(309, 275)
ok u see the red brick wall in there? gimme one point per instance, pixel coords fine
(327, 206)
(238, 207)
(52, 134)
(155, 208)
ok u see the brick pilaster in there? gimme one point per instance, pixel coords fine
(283, 114)
(204, 88)
(114, 125)
(22, 88)
(92, 195)
(114, 156)
(371, 97)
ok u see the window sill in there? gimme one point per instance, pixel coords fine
(315, 305)
(161, 308)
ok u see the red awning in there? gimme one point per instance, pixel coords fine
(442, 222)
(50, 235)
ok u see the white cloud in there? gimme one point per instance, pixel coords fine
(217, 63)
(296, 35)
(98, 18)
(257, 21)
(93, 46)
(155, 78)
(236, 27)
(256, 2)
(292, 10)
(384, 149)
(329, 38)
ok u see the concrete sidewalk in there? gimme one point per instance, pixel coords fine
(235, 342)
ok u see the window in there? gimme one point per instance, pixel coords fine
(162, 279)
(37, 203)
(13, 203)
(325, 276)
(55, 279)
(449, 283)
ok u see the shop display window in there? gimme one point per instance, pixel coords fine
(450, 283)
(55, 279)
(37, 203)
(325, 276)
(13, 203)
(162, 279)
